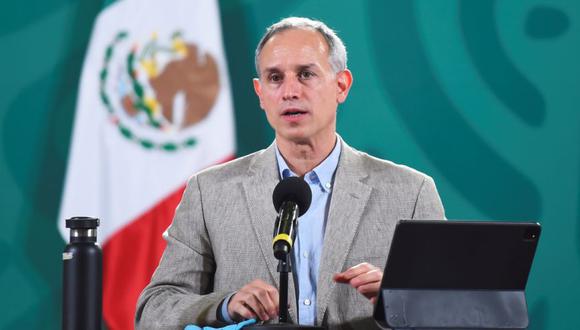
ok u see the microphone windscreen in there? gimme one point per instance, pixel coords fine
(293, 189)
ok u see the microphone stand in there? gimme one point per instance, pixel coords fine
(284, 268)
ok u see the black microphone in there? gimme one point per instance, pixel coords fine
(292, 198)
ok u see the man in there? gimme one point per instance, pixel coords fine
(218, 266)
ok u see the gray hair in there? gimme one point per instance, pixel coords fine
(336, 50)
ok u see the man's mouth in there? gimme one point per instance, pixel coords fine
(293, 112)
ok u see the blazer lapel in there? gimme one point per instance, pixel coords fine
(263, 176)
(348, 200)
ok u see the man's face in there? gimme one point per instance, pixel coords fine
(297, 87)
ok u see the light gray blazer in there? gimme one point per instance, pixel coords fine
(221, 238)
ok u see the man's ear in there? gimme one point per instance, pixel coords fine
(344, 82)
(258, 90)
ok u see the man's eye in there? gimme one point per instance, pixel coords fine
(275, 77)
(306, 74)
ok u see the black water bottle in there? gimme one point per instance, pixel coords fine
(82, 276)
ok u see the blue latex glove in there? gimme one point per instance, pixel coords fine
(236, 326)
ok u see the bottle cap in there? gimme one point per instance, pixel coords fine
(82, 223)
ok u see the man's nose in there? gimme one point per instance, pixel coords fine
(291, 88)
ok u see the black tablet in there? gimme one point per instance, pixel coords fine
(461, 274)
(431, 254)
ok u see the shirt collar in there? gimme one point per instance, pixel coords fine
(322, 173)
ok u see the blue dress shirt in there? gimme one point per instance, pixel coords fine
(307, 248)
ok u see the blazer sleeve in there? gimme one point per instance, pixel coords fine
(428, 205)
(181, 289)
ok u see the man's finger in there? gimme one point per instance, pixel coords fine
(269, 298)
(275, 298)
(257, 306)
(242, 312)
(268, 305)
(364, 277)
(369, 290)
(371, 276)
(352, 272)
(257, 299)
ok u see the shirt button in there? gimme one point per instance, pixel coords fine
(305, 255)
(328, 185)
(307, 302)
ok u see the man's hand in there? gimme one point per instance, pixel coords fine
(256, 299)
(365, 278)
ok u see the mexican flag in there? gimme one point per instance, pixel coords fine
(154, 107)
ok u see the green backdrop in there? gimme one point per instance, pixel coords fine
(482, 95)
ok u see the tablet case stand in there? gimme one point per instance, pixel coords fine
(451, 309)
